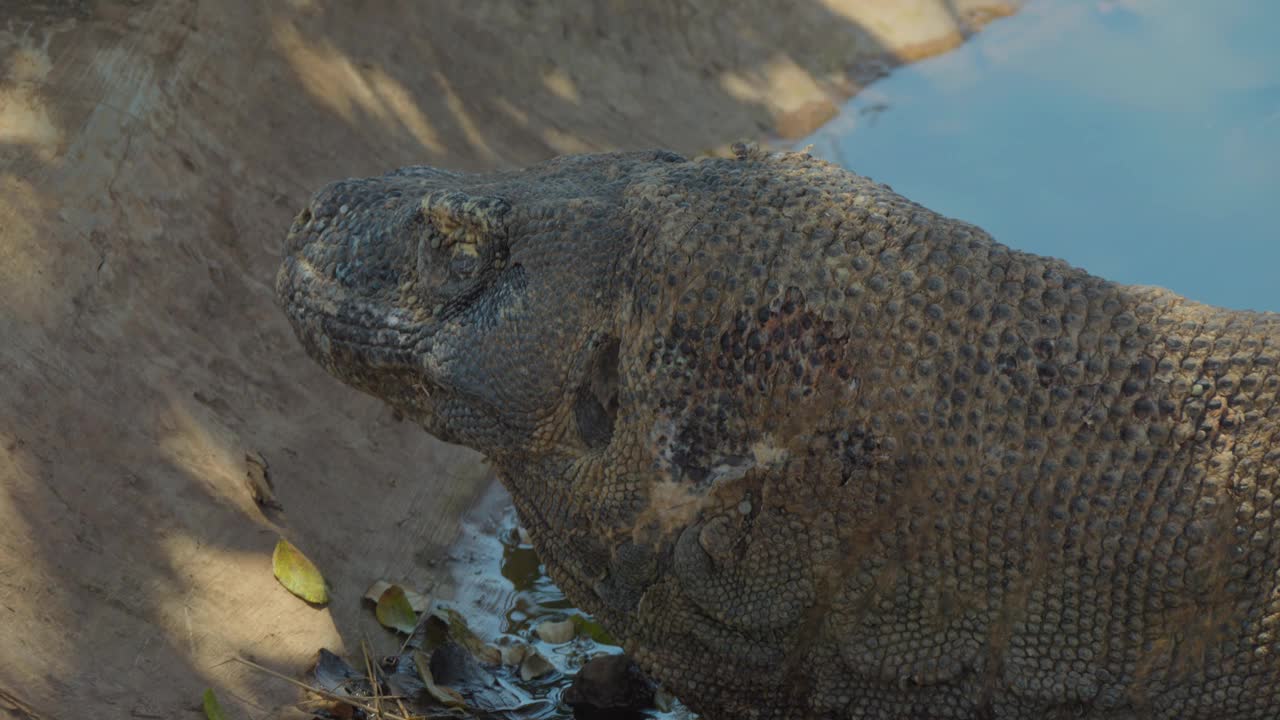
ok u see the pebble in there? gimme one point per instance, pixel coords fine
(513, 653)
(610, 682)
(534, 666)
(556, 631)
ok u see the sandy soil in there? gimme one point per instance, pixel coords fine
(151, 156)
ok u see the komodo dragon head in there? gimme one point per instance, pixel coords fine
(478, 305)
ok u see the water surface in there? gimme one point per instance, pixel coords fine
(1138, 139)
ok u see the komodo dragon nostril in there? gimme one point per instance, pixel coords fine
(297, 236)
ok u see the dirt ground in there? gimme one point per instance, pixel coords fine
(152, 155)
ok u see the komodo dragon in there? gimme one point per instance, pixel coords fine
(815, 451)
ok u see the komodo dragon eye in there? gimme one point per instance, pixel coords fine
(462, 235)
(465, 260)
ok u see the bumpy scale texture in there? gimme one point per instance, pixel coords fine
(815, 451)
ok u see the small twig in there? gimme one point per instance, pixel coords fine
(422, 619)
(373, 679)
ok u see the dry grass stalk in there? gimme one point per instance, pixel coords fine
(350, 700)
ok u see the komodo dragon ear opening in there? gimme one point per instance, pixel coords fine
(596, 402)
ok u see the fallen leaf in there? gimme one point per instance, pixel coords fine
(212, 709)
(298, 574)
(446, 682)
(334, 675)
(592, 629)
(395, 612)
(446, 696)
(400, 673)
(419, 602)
(453, 665)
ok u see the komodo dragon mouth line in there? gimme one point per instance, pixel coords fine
(363, 327)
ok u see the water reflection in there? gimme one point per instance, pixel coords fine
(1139, 139)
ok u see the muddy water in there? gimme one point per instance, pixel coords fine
(1138, 139)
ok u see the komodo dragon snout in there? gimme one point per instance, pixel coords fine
(814, 451)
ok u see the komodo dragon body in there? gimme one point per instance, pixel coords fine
(815, 451)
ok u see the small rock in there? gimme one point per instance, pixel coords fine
(534, 666)
(512, 652)
(610, 682)
(556, 631)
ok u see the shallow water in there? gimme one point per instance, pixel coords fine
(503, 590)
(1138, 139)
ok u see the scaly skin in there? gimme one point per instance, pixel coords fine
(815, 451)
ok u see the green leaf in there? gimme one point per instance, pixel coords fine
(395, 612)
(298, 574)
(212, 710)
(593, 630)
